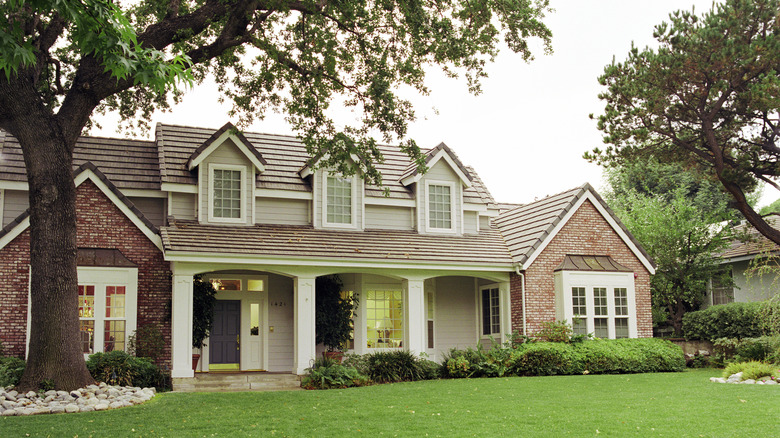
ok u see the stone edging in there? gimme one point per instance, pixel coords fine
(737, 378)
(92, 398)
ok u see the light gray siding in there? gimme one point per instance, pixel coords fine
(455, 324)
(280, 317)
(750, 286)
(470, 221)
(152, 208)
(385, 217)
(183, 206)
(227, 154)
(15, 202)
(282, 211)
(484, 222)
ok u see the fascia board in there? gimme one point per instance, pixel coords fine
(14, 185)
(179, 188)
(218, 142)
(439, 155)
(14, 232)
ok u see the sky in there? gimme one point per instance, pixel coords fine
(526, 132)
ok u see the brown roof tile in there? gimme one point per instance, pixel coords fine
(752, 242)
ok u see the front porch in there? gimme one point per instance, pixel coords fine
(422, 311)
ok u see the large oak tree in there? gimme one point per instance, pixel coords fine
(707, 98)
(61, 60)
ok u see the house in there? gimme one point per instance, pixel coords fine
(742, 260)
(436, 262)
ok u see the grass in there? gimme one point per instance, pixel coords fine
(672, 405)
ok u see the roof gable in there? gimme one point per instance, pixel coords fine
(529, 228)
(227, 131)
(412, 173)
(89, 171)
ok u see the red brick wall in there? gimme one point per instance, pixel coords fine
(100, 224)
(586, 233)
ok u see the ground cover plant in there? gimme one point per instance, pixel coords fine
(664, 404)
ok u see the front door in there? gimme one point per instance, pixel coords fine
(224, 338)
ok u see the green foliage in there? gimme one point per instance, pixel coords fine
(771, 208)
(333, 313)
(763, 348)
(683, 241)
(547, 359)
(751, 370)
(395, 366)
(328, 373)
(119, 368)
(204, 297)
(705, 98)
(733, 320)
(769, 316)
(555, 331)
(11, 369)
(146, 341)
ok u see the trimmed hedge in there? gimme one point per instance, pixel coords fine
(605, 356)
(733, 320)
(120, 368)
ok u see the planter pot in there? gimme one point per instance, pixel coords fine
(195, 359)
(335, 355)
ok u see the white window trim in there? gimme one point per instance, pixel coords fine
(609, 280)
(244, 197)
(452, 229)
(101, 277)
(324, 203)
(481, 322)
(2, 204)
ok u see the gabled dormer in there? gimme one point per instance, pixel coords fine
(439, 191)
(337, 199)
(226, 165)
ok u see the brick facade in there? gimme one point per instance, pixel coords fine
(100, 224)
(586, 233)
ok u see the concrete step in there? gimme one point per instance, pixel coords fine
(215, 382)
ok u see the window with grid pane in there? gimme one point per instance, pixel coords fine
(384, 319)
(722, 291)
(621, 301)
(87, 318)
(580, 308)
(226, 198)
(621, 328)
(429, 299)
(601, 328)
(600, 301)
(339, 200)
(491, 319)
(439, 206)
(114, 325)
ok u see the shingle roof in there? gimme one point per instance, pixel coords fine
(127, 163)
(526, 227)
(227, 126)
(753, 243)
(486, 248)
(412, 169)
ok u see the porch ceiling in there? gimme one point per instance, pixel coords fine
(484, 249)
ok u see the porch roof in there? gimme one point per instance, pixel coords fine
(484, 249)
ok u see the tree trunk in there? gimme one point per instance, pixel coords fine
(55, 354)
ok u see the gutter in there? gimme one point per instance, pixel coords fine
(518, 267)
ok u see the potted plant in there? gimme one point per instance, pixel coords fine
(203, 298)
(334, 315)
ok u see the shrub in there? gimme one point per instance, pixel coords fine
(769, 316)
(394, 366)
(356, 361)
(734, 320)
(465, 363)
(11, 369)
(146, 341)
(547, 358)
(328, 373)
(751, 370)
(119, 368)
(555, 331)
(739, 350)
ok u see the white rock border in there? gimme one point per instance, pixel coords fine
(737, 378)
(92, 398)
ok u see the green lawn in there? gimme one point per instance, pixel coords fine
(672, 405)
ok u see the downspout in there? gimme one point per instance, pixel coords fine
(522, 292)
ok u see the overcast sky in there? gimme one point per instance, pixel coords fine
(526, 133)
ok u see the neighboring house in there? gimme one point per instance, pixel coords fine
(742, 260)
(436, 263)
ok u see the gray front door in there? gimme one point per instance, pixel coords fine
(223, 340)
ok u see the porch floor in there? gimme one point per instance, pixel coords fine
(237, 381)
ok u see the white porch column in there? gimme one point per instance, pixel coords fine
(181, 327)
(305, 344)
(416, 318)
(506, 310)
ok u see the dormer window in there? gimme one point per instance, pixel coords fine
(339, 201)
(225, 187)
(441, 210)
